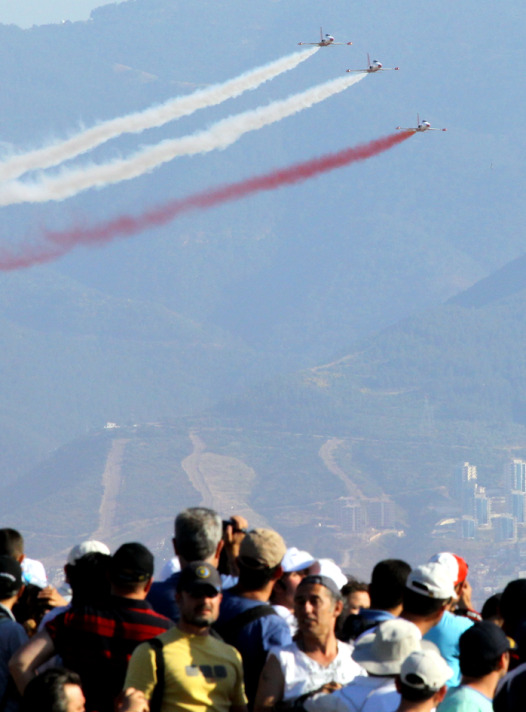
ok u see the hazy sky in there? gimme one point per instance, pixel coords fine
(26, 13)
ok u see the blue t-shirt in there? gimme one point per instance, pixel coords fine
(465, 699)
(445, 635)
(162, 597)
(254, 639)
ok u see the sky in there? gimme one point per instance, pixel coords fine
(26, 13)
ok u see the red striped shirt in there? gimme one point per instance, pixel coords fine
(97, 643)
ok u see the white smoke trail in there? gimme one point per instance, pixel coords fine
(220, 135)
(57, 153)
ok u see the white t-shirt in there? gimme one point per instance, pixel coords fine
(302, 674)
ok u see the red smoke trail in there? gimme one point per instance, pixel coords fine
(62, 242)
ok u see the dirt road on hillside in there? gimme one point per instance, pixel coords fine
(111, 483)
(224, 483)
(327, 454)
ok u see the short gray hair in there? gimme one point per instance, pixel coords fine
(198, 531)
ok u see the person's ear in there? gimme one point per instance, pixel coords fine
(219, 548)
(338, 608)
(439, 696)
(278, 573)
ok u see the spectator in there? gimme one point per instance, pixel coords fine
(381, 653)
(12, 634)
(296, 565)
(422, 681)
(462, 605)
(12, 544)
(55, 690)
(513, 611)
(484, 659)
(491, 610)
(355, 597)
(386, 592)
(161, 670)
(86, 572)
(97, 642)
(198, 537)
(446, 633)
(31, 604)
(511, 691)
(315, 661)
(234, 530)
(428, 592)
(246, 620)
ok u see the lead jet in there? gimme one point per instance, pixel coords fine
(325, 41)
(421, 126)
(374, 66)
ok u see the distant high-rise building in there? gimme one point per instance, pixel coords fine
(505, 527)
(467, 527)
(515, 473)
(482, 506)
(381, 513)
(518, 506)
(351, 515)
(465, 475)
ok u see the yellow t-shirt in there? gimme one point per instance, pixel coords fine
(201, 673)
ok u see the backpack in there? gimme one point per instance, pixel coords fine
(230, 630)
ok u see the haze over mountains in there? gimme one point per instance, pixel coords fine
(220, 324)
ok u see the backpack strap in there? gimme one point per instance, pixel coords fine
(158, 691)
(231, 629)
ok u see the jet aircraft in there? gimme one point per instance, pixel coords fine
(325, 41)
(421, 126)
(374, 66)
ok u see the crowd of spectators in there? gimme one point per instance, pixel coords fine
(239, 622)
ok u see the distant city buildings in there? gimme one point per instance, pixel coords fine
(502, 516)
(356, 516)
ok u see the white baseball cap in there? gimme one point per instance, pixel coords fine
(91, 546)
(296, 560)
(425, 670)
(327, 567)
(33, 572)
(456, 565)
(433, 580)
